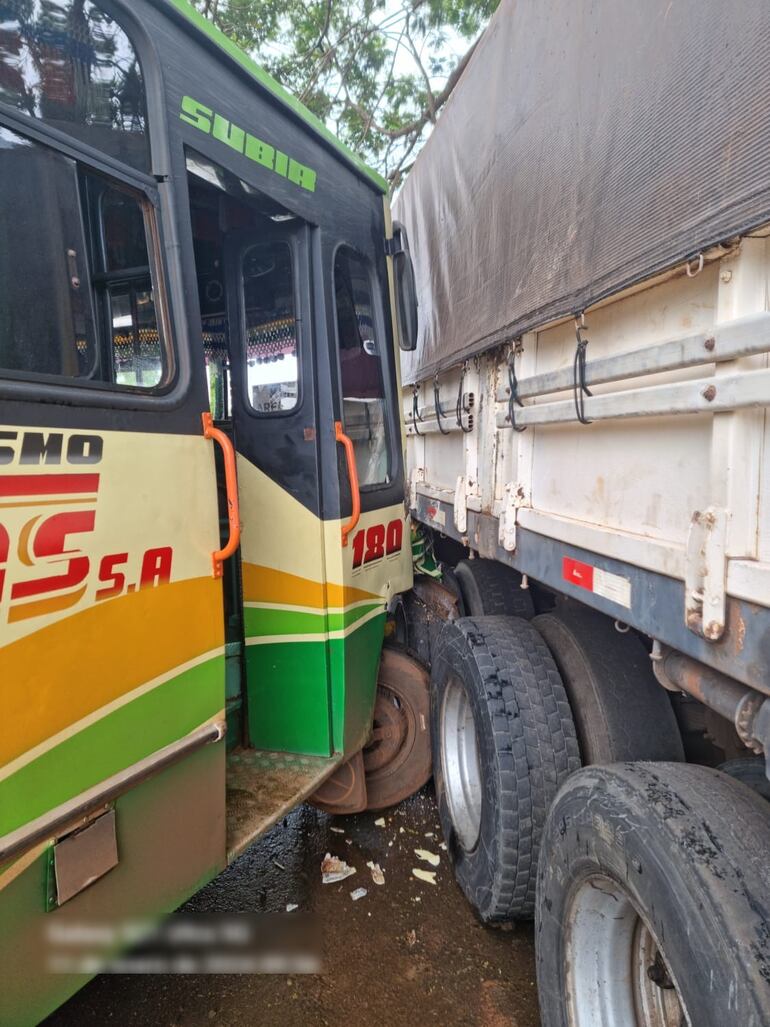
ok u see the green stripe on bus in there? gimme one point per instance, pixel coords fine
(113, 743)
(266, 621)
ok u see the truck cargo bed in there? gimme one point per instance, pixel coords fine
(658, 511)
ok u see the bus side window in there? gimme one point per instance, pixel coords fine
(71, 65)
(46, 313)
(122, 283)
(271, 328)
(76, 287)
(363, 389)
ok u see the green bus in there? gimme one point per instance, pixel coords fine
(203, 528)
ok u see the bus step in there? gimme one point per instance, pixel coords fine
(264, 786)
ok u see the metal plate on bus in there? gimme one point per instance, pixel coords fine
(84, 856)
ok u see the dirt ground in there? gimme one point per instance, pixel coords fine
(408, 952)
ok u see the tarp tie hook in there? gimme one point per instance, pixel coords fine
(416, 415)
(460, 410)
(698, 269)
(579, 388)
(437, 404)
(513, 386)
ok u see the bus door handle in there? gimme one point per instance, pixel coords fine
(231, 484)
(355, 492)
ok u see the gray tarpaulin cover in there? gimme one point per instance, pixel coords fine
(589, 144)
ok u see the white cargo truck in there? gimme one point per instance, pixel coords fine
(586, 403)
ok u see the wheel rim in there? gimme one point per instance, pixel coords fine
(460, 764)
(617, 973)
(393, 732)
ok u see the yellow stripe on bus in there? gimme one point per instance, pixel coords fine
(68, 669)
(266, 585)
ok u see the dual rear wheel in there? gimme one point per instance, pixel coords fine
(504, 741)
(517, 707)
(652, 907)
(646, 879)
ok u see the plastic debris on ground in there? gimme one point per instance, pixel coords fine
(377, 875)
(337, 830)
(291, 906)
(429, 876)
(334, 869)
(428, 857)
(380, 822)
(358, 894)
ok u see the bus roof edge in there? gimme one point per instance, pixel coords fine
(216, 36)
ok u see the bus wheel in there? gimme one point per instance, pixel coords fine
(490, 588)
(652, 900)
(397, 757)
(504, 741)
(620, 710)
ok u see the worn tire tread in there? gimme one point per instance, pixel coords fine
(489, 589)
(690, 844)
(621, 712)
(534, 748)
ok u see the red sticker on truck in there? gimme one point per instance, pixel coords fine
(603, 583)
(577, 573)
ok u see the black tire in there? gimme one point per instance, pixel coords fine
(620, 710)
(750, 770)
(526, 745)
(672, 853)
(449, 579)
(490, 589)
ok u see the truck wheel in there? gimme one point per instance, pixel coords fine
(652, 901)
(620, 710)
(751, 771)
(504, 741)
(449, 579)
(490, 588)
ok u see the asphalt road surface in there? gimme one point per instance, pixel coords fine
(407, 952)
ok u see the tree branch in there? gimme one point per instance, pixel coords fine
(418, 124)
(423, 72)
(370, 119)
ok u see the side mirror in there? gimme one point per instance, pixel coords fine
(406, 289)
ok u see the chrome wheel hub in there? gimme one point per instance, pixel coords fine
(617, 974)
(460, 764)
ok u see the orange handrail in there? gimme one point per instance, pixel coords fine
(231, 484)
(355, 492)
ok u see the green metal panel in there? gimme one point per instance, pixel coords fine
(354, 663)
(287, 701)
(287, 672)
